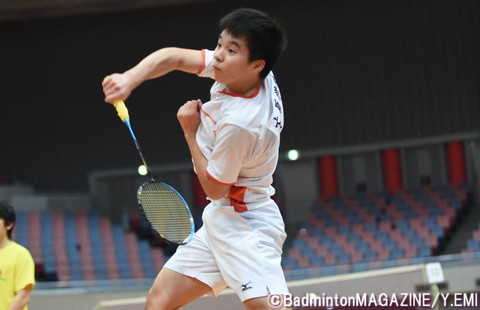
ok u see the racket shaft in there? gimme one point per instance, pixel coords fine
(137, 145)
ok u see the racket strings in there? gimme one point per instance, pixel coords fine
(166, 211)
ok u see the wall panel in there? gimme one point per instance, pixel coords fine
(355, 72)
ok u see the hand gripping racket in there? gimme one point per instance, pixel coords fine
(162, 206)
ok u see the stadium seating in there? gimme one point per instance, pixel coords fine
(360, 229)
(70, 246)
(473, 244)
(376, 227)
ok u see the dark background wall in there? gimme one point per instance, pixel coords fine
(355, 72)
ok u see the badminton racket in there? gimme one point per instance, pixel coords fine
(165, 210)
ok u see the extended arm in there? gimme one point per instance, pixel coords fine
(159, 63)
(21, 299)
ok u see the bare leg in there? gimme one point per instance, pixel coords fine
(171, 290)
(261, 303)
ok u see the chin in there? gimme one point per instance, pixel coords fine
(219, 79)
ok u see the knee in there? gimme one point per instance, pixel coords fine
(151, 301)
(262, 303)
(256, 304)
(157, 300)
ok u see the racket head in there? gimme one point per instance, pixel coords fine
(166, 211)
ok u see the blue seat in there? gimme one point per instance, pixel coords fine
(288, 262)
(146, 259)
(473, 245)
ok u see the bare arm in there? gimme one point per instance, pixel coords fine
(159, 63)
(189, 118)
(21, 299)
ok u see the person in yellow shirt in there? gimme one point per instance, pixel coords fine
(17, 269)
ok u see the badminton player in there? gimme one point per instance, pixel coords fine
(17, 269)
(233, 139)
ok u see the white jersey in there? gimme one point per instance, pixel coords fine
(240, 137)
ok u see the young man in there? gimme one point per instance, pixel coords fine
(233, 140)
(17, 269)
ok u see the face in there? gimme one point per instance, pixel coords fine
(231, 61)
(3, 230)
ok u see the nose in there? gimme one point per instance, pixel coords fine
(218, 55)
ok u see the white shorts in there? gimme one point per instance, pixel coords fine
(239, 250)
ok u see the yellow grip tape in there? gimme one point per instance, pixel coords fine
(122, 110)
(119, 105)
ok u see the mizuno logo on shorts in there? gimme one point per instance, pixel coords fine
(246, 286)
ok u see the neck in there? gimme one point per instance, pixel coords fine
(4, 242)
(245, 89)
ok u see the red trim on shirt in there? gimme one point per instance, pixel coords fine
(236, 195)
(209, 116)
(242, 96)
(203, 63)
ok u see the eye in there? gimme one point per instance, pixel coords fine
(232, 51)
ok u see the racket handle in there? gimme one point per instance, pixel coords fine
(122, 110)
(119, 105)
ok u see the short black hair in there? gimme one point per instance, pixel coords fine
(265, 38)
(7, 213)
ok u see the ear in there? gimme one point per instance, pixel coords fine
(9, 226)
(258, 65)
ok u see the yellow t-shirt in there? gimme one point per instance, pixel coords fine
(17, 270)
